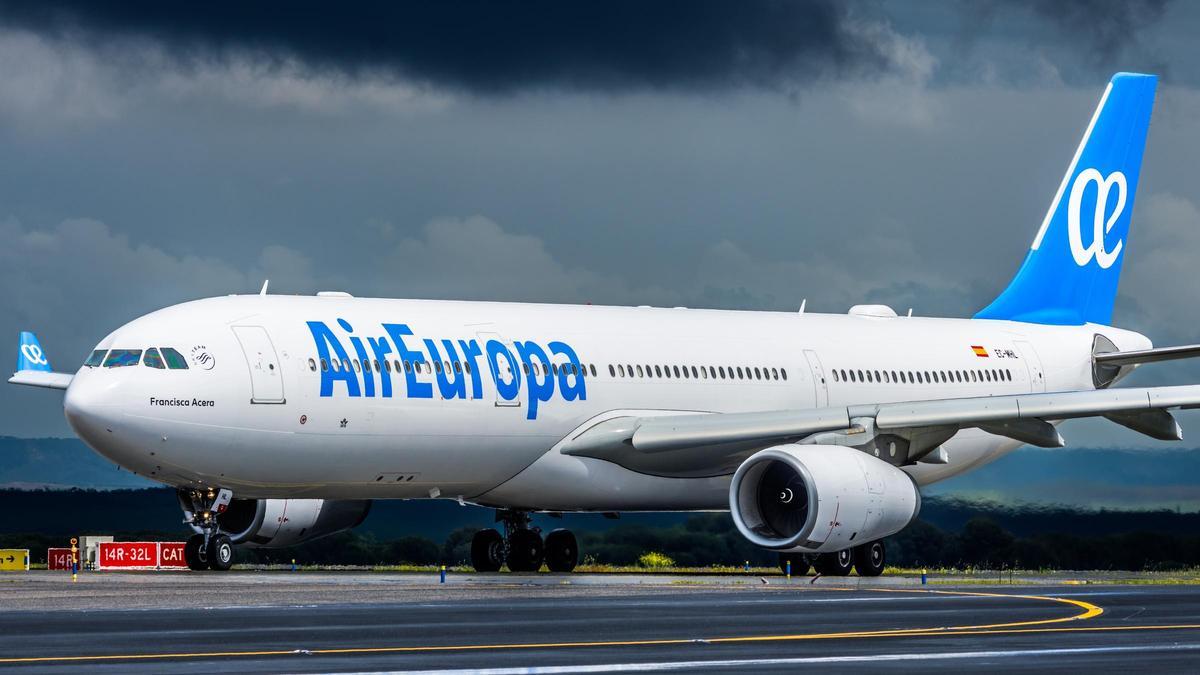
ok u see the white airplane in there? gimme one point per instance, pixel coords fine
(278, 418)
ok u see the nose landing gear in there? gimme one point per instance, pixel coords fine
(521, 546)
(209, 548)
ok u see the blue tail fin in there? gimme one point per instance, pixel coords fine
(30, 355)
(1070, 275)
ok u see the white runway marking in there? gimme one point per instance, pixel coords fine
(665, 666)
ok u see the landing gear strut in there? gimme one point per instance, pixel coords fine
(521, 546)
(208, 548)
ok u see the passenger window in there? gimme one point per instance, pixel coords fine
(366, 365)
(686, 374)
(312, 365)
(852, 378)
(324, 365)
(118, 358)
(173, 358)
(357, 366)
(721, 370)
(783, 373)
(467, 367)
(152, 359)
(96, 358)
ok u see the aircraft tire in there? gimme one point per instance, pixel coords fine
(870, 559)
(562, 551)
(837, 564)
(487, 551)
(525, 551)
(194, 553)
(220, 552)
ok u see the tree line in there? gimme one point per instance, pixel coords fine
(710, 539)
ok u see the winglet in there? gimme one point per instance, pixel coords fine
(30, 355)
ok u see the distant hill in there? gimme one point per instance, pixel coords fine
(60, 463)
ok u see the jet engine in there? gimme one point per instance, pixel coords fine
(820, 498)
(274, 523)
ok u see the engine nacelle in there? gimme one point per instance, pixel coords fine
(274, 523)
(819, 498)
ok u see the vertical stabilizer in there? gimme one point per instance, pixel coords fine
(1070, 274)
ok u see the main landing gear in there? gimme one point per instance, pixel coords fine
(868, 560)
(209, 548)
(521, 546)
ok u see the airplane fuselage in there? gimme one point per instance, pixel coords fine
(469, 399)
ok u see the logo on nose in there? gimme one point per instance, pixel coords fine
(34, 355)
(1100, 225)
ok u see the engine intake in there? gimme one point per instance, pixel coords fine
(819, 498)
(274, 523)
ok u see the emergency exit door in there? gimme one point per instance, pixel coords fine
(266, 382)
(820, 387)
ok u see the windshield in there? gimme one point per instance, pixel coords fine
(123, 357)
(152, 359)
(96, 358)
(174, 359)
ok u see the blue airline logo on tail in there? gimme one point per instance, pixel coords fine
(455, 365)
(1101, 226)
(31, 356)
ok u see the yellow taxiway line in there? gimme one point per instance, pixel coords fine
(1089, 611)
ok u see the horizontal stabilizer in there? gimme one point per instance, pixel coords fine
(37, 378)
(1148, 355)
(33, 366)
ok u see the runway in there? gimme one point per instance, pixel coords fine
(353, 622)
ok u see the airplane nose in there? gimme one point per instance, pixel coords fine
(88, 405)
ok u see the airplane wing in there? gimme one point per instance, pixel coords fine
(704, 444)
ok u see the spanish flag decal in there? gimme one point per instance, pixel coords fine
(979, 351)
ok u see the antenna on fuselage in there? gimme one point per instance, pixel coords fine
(910, 312)
(266, 282)
(803, 304)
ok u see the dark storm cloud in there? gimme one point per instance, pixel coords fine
(489, 46)
(1102, 27)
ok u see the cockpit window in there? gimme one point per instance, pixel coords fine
(152, 359)
(174, 359)
(123, 357)
(96, 358)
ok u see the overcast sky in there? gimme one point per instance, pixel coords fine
(734, 155)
